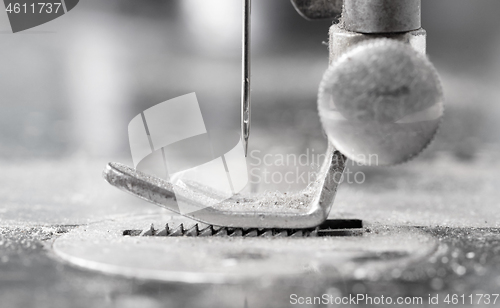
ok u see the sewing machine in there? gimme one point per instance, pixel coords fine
(421, 232)
(380, 103)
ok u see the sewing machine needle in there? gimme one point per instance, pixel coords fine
(245, 91)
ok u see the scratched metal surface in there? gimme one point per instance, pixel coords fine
(56, 138)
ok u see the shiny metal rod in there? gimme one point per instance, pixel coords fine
(245, 89)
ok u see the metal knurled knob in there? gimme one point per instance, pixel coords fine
(381, 103)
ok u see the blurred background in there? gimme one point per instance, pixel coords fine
(71, 86)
